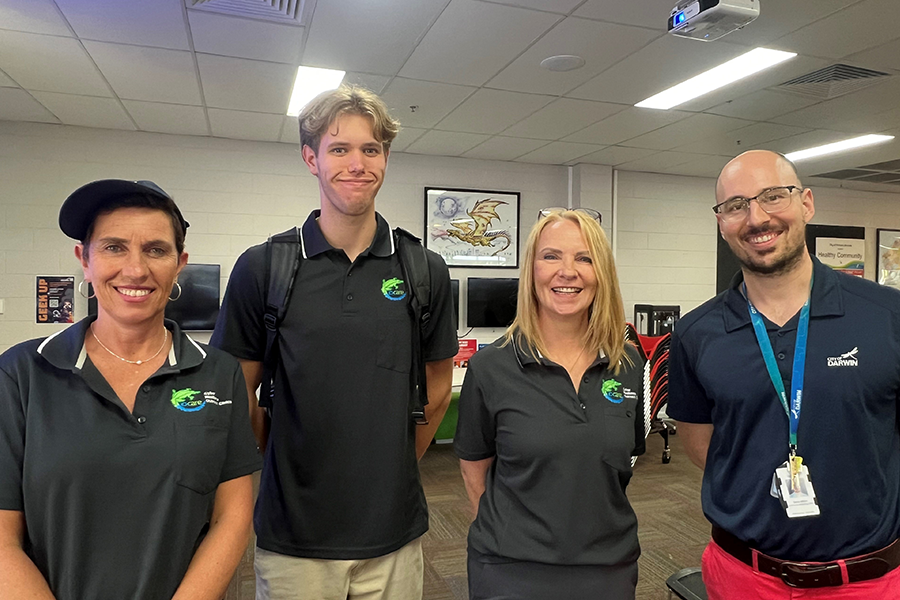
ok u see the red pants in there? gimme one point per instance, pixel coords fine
(727, 578)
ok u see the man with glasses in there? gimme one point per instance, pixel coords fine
(786, 390)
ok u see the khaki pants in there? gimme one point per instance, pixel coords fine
(394, 576)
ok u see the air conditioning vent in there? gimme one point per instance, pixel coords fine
(278, 11)
(833, 81)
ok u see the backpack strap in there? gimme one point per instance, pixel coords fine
(417, 275)
(282, 264)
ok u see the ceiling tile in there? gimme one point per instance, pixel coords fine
(6, 81)
(734, 142)
(845, 112)
(433, 101)
(472, 41)
(241, 125)
(34, 16)
(657, 162)
(687, 130)
(492, 111)
(167, 118)
(864, 25)
(86, 111)
(646, 13)
(616, 155)
(445, 143)
(290, 131)
(625, 125)
(374, 83)
(557, 153)
(373, 37)
(504, 148)
(563, 7)
(159, 23)
(245, 38)
(561, 118)
(407, 136)
(762, 105)
(779, 18)
(708, 166)
(661, 64)
(601, 45)
(238, 83)
(150, 74)
(52, 64)
(17, 105)
(886, 56)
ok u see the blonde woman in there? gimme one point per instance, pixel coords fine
(549, 417)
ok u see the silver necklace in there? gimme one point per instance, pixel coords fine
(133, 362)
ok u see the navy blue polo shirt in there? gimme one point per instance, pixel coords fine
(848, 432)
(555, 492)
(341, 479)
(116, 502)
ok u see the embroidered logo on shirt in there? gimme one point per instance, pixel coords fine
(611, 391)
(847, 359)
(185, 400)
(393, 288)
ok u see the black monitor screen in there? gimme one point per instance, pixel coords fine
(491, 302)
(454, 289)
(198, 306)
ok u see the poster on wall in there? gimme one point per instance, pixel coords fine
(473, 228)
(55, 300)
(843, 254)
(888, 272)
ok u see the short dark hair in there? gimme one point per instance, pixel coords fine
(165, 205)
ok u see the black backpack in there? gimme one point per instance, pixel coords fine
(283, 259)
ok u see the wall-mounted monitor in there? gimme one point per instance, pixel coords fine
(198, 306)
(491, 302)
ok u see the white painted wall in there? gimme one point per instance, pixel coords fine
(236, 193)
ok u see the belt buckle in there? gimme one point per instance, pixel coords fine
(804, 575)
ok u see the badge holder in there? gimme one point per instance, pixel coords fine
(795, 491)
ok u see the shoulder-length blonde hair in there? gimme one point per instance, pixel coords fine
(606, 316)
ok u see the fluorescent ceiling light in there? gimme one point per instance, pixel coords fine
(857, 142)
(729, 72)
(311, 82)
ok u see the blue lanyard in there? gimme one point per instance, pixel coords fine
(793, 408)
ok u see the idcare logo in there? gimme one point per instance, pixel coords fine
(393, 288)
(611, 391)
(847, 359)
(187, 401)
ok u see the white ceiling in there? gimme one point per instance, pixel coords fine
(470, 69)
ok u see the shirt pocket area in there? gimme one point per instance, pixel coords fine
(618, 430)
(395, 344)
(201, 449)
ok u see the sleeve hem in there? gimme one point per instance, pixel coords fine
(473, 456)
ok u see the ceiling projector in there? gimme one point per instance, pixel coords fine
(708, 20)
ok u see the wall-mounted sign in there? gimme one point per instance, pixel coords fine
(843, 254)
(55, 300)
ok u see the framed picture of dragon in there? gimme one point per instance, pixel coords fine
(473, 228)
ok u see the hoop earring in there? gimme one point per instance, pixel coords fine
(81, 290)
(178, 285)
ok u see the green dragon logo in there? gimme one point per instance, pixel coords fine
(392, 290)
(611, 391)
(184, 400)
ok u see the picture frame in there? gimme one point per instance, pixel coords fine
(887, 242)
(473, 228)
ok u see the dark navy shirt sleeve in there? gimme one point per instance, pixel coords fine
(12, 443)
(688, 401)
(474, 438)
(440, 333)
(240, 330)
(242, 456)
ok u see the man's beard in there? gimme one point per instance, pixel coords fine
(785, 264)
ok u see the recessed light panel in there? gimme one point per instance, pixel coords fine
(311, 82)
(842, 146)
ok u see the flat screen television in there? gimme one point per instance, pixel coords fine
(454, 289)
(491, 302)
(198, 306)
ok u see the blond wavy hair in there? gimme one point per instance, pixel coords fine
(606, 316)
(324, 109)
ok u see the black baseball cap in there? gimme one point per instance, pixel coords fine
(81, 207)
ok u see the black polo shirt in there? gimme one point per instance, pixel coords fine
(340, 479)
(116, 502)
(555, 492)
(848, 431)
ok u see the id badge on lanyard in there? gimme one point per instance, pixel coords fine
(791, 482)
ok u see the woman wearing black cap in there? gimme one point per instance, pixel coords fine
(125, 446)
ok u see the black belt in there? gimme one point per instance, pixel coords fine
(812, 575)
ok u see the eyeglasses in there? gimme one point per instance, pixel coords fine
(771, 200)
(555, 210)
